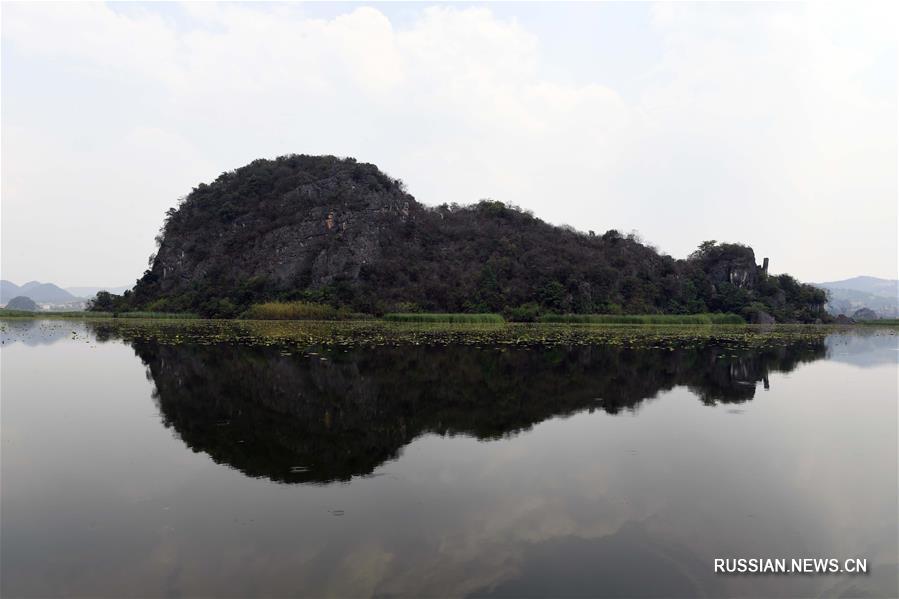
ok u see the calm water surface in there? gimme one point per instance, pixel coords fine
(132, 467)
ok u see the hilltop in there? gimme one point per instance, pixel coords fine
(337, 231)
(880, 296)
(865, 284)
(43, 293)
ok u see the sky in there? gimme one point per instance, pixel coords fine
(769, 124)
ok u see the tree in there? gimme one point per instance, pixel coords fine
(103, 302)
(704, 249)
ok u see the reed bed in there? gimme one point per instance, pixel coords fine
(160, 315)
(431, 317)
(297, 311)
(642, 319)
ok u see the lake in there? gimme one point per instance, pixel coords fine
(227, 459)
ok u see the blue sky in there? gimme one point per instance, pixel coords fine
(772, 124)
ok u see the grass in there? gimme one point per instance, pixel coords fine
(430, 317)
(297, 311)
(163, 315)
(888, 322)
(17, 313)
(642, 319)
(4, 313)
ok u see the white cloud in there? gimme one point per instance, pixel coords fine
(770, 124)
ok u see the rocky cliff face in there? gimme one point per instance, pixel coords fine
(334, 230)
(734, 265)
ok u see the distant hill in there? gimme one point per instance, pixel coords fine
(336, 231)
(42, 293)
(20, 302)
(858, 293)
(48, 293)
(89, 292)
(872, 285)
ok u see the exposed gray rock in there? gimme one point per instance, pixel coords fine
(735, 265)
(761, 317)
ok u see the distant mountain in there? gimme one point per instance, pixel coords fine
(89, 292)
(30, 285)
(858, 293)
(872, 285)
(42, 293)
(8, 290)
(47, 293)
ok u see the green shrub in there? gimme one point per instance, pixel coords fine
(407, 307)
(529, 312)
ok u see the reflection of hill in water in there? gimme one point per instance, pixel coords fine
(295, 418)
(33, 332)
(865, 347)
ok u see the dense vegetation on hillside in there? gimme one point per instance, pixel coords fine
(337, 232)
(21, 302)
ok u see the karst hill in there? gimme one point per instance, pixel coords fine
(337, 231)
